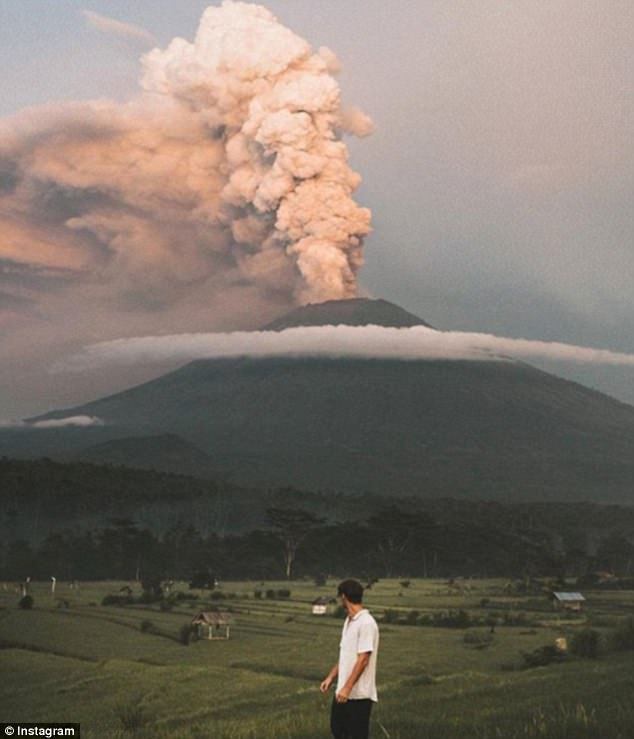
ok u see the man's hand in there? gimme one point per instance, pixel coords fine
(325, 685)
(342, 695)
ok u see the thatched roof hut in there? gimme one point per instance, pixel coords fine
(212, 624)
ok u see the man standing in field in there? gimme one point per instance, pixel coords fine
(356, 668)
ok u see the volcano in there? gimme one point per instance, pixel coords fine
(351, 312)
(463, 428)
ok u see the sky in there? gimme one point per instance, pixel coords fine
(499, 176)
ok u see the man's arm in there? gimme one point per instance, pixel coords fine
(327, 682)
(359, 666)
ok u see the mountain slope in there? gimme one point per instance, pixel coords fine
(492, 429)
(480, 429)
(164, 453)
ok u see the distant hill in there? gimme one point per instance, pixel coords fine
(164, 452)
(40, 497)
(472, 429)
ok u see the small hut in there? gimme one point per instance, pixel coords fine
(320, 606)
(212, 625)
(568, 601)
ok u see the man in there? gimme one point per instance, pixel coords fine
(356, 669)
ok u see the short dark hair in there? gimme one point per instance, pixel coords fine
(352, 589)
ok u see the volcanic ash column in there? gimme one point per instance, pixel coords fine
(227, 173)
(276, 107)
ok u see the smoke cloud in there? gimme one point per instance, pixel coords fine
(417, 342)
(228, 170)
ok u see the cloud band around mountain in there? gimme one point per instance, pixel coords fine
(370, 342)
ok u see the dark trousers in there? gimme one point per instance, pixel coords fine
(351, 720)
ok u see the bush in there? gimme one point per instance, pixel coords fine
(26, 603)
(257, 594)
(412, 618)
(622, 638)
(484, 602)
(270, 594)
(339, 612)
(284, 593)
(390, 616)
(166, 605)
(187, 634)
(147, 626)
(320, 579)
(453, 619)
(217, 595)
(543, 656)
(405, 583)
(585, 643)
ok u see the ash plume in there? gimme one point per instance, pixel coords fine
(227, 170)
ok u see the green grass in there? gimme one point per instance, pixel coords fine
(94, 665)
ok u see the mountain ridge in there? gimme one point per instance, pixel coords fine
(432, 428)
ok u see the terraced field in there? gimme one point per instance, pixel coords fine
(124, 671)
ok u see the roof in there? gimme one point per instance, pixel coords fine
(212, 618)
(568, 596)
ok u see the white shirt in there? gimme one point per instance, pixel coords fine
(360, 634)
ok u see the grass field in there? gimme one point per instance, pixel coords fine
(72, 659)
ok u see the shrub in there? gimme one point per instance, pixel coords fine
(187, 634)
(453, 619)
(320, 579)
(257, 594)
(26, 603)
(542, 656)
(339, 612)
(515, 619)
(484, 602)
(585, 643)
(284, 593)
(217, 595)
(390, 616)
(147, 626)
(412, 618)
(405, 583)
(270, 594)
(622, 638)
(166, 605)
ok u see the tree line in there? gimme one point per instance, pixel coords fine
(293, 542)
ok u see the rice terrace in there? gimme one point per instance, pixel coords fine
(465, 659)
